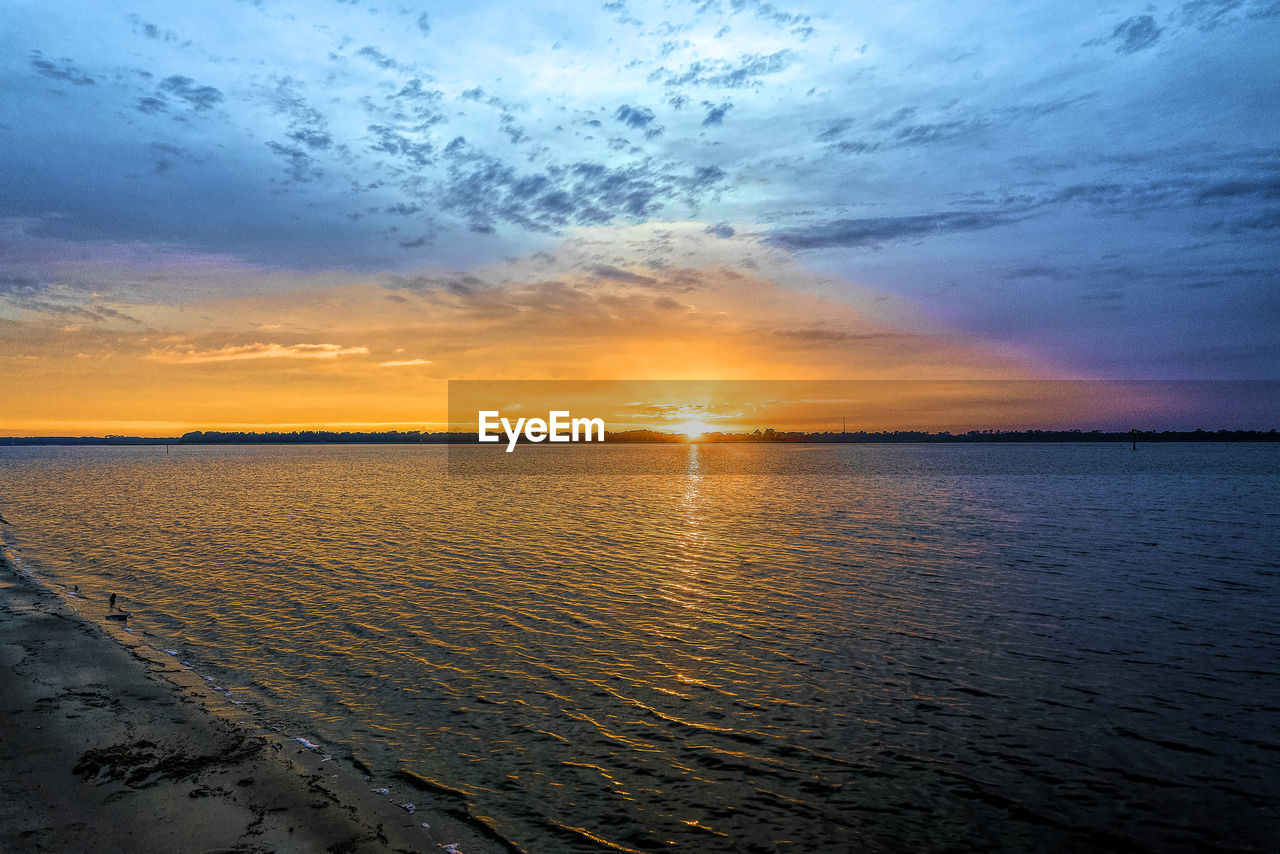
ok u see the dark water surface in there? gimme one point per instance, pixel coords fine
(926, 648)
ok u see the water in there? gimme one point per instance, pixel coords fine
(927, 648)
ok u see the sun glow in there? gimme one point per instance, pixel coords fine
(694, 429)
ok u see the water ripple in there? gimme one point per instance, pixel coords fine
(883, 653)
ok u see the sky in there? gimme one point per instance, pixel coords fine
(269, 214)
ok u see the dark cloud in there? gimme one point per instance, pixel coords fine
(111, 313)
(935, 132)
(185, 89)
(768, 12)
(1239, 200)
(641, 118)
(21, 286)
(507, 124)
(856, 146)
(311, 138)
(724, 74)
(823, 336)
(412, 109)
(897, 118)
(614, 274)
(166, 153)
(720, 229)
(306, 124)
(65, 72)
(618, 8)
(484, 189)
(424, 23)
(478, 95)
(414, 91)
(636, 117)
(1264, 9)
(834, 129)
(300, 166)
(1266, 221)
(376, 56)
(33, 294)
(1206, 15)
(151, 31)
(849, 233)
(716, 112)
(457, 283)
(900, 129)
(1039, 271)
(1135, 34)
(1262, 187)
(150, 105)
(420, 153)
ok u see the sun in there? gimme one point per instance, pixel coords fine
(693, 429)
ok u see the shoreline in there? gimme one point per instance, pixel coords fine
(110, 744)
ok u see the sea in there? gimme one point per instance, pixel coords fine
(752, 648)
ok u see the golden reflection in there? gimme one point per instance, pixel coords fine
(686, 590)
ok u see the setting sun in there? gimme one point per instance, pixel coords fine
(694, 429)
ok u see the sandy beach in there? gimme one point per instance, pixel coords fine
(110, 745)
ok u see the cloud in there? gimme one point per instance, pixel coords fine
(640, 118)
(484, 188)
(1137, 33)
(376, 56)
(184, 88)
(419, 153)
(636, 117)
(246, 352)
(1055, 146)
(66, 71)
(725, 74)
(1207, 14)
(21, 286)
(406, 363)
(458, 283)
(1262, 187)
(306, 124)
(768, 12)
(150, 105)
(300, 166)
(424, 23)
(715, 114)
(849, 233)
(606, 271)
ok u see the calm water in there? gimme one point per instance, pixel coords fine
(918, 648)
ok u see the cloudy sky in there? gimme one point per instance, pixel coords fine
(275, 213)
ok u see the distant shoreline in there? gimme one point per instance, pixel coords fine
(770, 436)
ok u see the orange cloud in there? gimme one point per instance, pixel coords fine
(257, 351)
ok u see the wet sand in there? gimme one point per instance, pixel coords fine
(107, 744)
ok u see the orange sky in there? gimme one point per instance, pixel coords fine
(346, 351)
